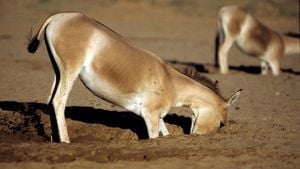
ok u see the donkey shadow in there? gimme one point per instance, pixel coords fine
(257, 69)
(210, 68)
(124, 120)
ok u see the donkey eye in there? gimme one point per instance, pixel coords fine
(221, 124)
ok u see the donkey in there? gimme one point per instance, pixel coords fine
(125, 75)
(253, 38)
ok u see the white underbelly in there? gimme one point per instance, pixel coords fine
(101, 88)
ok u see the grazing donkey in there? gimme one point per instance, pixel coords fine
(114, 70)
(252, 37)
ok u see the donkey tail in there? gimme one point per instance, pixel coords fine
(217, 45)
(33, 44)
(34, 41)
(219, 39)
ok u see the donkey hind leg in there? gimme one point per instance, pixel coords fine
(63, 82)
(223, 54)
(54, 85)
(58, 103)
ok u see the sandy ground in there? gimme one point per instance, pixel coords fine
(263, 130)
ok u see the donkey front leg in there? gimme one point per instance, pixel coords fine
(152, 124)
(264, 67)
(163, 128)
(275, 67)
(273, 59)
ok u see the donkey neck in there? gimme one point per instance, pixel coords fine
(192, 93)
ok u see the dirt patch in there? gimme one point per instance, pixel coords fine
(23, 123)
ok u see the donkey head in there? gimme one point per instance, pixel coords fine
(208, 118)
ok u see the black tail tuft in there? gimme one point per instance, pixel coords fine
(33, 42)
(33, 45)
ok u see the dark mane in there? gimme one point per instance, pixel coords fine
(197, 76)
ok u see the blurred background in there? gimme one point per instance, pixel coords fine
(183, 29)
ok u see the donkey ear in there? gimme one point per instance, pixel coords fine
(233, 98)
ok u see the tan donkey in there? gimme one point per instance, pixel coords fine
(236, 25)
(130, 77)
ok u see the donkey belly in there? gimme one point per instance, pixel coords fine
(250, 46)
(105, 90)
(97, 86)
